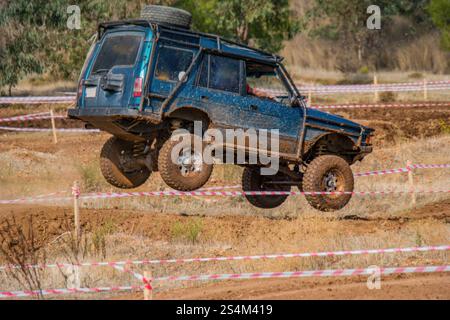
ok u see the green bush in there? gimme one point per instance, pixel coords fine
(187, 231)
(445, 128)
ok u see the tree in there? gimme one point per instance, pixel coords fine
(23, 26)
(440, 14)
(34, 37)
(261, 23)
(344, 21)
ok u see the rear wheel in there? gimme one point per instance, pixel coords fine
(119, 167)
(167, 15)
(252, 180)
(186, 171)
(328, 173)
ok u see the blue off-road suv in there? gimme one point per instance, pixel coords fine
(144, 79)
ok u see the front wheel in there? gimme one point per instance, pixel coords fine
(328, 173)
(252, 180)
(119, 167)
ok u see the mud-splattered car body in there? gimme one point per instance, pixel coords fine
(140, 76)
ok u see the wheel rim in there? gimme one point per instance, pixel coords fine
(189, 162)
(333, 181)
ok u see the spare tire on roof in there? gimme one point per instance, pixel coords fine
(167, 15)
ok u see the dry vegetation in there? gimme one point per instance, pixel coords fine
(168, 227)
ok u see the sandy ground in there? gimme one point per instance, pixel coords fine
(246, 234)
(392, 287)
(33, 165)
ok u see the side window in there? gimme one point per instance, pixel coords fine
(220, 73)
(262, 81)
(171, 62)
(224, 74)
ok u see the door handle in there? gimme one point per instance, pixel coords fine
(206, 98)
(254, 107)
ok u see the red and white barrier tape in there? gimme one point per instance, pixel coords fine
(110, 195)
(234, 258)
(361, 89)
(24, 117)
(95, 195)
(376, 89)
(48, 130)
(309, 273)
(22, 294)
(393, 105)
(429, 166)
(44, 197)
(147, 282)
(250, 193)
(402, 170)
(381, 172)
(31, 118)
(369, 85)
(236, 276)
(37, 100)
(76, 191)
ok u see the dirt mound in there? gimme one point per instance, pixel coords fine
(394, 125)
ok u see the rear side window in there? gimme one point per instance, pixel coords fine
(224, 74)
(171, 62)
(117, 50)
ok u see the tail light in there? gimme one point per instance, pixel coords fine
(137, 89)
(80, 89)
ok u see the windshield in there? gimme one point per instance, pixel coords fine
(117, 50)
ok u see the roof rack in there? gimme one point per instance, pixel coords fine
(218, 39)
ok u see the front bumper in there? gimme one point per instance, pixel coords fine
(366, 149)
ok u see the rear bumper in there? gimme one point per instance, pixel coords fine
(116, 121)
(87, 113)
(104, 114)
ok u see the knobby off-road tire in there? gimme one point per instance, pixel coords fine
(252, 180)
(171, 172)
(318, 174)
(112, 168)
(167, 15)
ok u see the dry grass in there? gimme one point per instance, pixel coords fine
(305, 234)
(231, 226)
(27, 172)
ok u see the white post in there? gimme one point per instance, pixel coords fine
(148, 290)
(425, 90)
(76, 210)
(55, 139)
(411, 183)
(376, 95)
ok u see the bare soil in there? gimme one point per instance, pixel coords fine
(392, 287)
(151, 233)
(49, 222)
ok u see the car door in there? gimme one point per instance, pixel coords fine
(270, 109)
(218, 90)
(268, 114)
